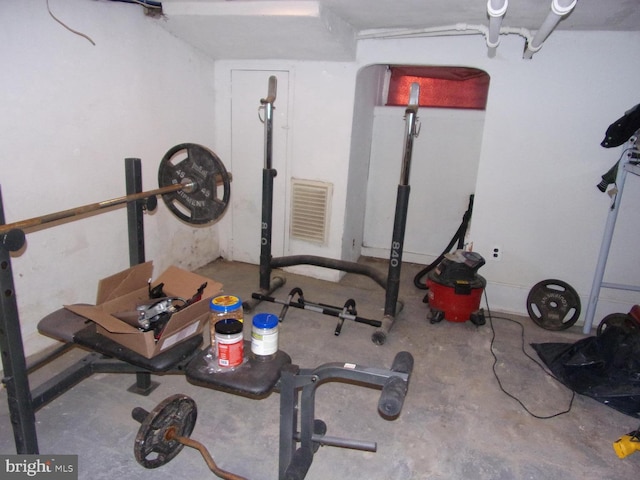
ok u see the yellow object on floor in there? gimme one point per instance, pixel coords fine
(627, 444)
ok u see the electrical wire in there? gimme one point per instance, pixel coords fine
(495, 361)
(144, 3)
(68, 27)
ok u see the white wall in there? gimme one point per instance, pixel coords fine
(443, 174)
(71, 113)
(540, 157)
(539, 162)
(320, 99)
(369, 87)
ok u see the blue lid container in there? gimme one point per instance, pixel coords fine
(225, 303)
(265, 321)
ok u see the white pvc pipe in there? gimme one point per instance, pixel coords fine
(496, 10)
(457, 29)
(445, 30)
(559, 8)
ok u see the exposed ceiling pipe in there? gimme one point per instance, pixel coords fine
(496, 10)
(559, 8)
(457, 29)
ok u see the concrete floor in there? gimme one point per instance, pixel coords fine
(456, 423)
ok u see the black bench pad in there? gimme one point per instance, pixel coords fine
(88, 337)
(62, 325)
(253, 378)
(66, 326)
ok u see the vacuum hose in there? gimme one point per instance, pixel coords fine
(457, 237)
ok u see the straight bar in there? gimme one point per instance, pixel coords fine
(187, 186)
(92, 207)
(329, 441)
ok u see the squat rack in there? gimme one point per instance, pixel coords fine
(391, 282)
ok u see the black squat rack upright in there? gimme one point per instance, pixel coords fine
(391, 282)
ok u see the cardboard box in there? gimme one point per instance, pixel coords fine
(124, 291)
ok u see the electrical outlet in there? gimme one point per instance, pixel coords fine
(496, 253)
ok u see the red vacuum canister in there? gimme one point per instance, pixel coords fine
(455, 289)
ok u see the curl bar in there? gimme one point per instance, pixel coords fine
(189, 176)
(165, 431)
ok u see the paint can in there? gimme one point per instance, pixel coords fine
(229, 342)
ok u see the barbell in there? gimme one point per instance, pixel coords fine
(189, 178)
(165, 431)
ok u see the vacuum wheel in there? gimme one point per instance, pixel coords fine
(435, 316)
(477, 318)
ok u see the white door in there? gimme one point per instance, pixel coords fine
(247, 160)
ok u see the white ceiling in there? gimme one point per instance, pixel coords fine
(328, 29)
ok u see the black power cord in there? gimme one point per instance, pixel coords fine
(495, 361)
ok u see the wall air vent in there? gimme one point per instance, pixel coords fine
(310, 206)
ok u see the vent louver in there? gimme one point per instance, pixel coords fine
(310, 204)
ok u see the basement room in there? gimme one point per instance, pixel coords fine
(320, 239)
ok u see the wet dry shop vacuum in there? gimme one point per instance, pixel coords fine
(454, 289)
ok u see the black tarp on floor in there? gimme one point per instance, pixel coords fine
(604, 367)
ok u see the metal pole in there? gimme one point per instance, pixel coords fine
(400, 219)
(16, 380)
(188, 186)
(267, 285)
(605, 246)
(92, 207)
(135, 223)
(268, 174)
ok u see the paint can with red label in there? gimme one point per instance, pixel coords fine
(229, 342)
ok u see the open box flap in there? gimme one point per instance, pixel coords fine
(124, 282)
(123, 292)
(103, 318)
(185, 284)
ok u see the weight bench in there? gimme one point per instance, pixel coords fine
(105, 356)
(297, 387)
(253, 379)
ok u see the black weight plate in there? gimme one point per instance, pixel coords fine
(553, 304)
(178, 413)
(622, 320)
(192, 162)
